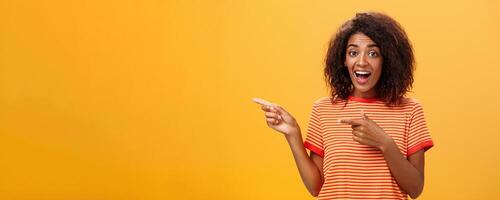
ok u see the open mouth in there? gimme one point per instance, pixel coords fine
(362, 74)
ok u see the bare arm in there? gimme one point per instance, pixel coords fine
(310, 167)
(409, 173)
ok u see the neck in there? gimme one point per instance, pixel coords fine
(370, 94)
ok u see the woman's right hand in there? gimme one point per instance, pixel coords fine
(278, 118)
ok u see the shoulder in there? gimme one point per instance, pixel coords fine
(319, 103)
(327, 104)
(323, 100)
(412, 105)
(411, 102)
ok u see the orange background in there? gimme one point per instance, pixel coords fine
(152, 99)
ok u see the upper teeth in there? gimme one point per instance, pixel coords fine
(361, 72)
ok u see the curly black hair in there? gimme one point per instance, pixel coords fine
(398, 61)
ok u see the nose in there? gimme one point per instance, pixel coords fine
(362, 60)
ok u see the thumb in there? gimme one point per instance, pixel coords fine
(281, 110)
(364, 116)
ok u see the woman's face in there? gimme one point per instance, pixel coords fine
(364, 62)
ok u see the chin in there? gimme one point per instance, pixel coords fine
(363, 89)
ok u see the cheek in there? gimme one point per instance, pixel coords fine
(377, 67)
(349, 61)
(349, 64)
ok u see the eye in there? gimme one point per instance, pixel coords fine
(353, 53)
(372, 54)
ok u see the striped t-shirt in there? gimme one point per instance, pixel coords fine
(355, 171)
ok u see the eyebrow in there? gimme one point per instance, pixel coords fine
(355, 45)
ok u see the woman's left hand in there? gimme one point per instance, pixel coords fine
(366, 131)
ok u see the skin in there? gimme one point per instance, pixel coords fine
(362, 54)
(310, 166)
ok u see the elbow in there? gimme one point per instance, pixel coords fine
(416, 193)
(315, 191)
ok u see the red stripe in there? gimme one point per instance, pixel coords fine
(352, 170)
(424, 145)
(314, 149)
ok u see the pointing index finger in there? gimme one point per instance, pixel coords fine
(349, 121)
(262, 102)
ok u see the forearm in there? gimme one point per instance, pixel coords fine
(309, 172)
(407, 176)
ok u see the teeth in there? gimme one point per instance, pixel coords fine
(365, 74)
(362, 72)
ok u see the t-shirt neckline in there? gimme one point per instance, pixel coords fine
(364, 99)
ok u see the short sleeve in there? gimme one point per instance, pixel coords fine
(418, 134)
(314, 138)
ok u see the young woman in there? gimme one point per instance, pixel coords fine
(367, 140)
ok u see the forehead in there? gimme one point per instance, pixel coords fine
(361, 40)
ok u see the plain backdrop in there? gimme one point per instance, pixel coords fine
(151, 99)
